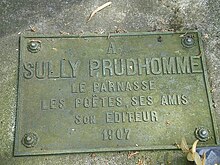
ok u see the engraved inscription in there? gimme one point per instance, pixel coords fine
(147, 66)
(50, 69)
(141, 100)
(123, 86)
(100, 93)
(118, 134)
(52, 104)
(95, 102)
(78, 88)
(174, 100)
(82, 119)
(128, 117)
(111, 48)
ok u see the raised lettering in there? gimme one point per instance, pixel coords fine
(74, 67)
(94, 67)
(129, 117)
(169, 65)
(196, 64)
(28, 70)
(156, 66)
(107, 65)
(183, 65)
(111, 48)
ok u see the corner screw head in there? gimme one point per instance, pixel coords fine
(29, 140)
(202, 134)
(188, 41)
(34, 46)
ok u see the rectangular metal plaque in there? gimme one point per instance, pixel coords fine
(132, 91)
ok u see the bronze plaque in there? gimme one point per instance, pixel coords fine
(133, 91)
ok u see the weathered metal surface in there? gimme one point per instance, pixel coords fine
(131, 91)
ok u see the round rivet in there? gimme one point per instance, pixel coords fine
(202, 134)
(34, 46)
(29, 140)
(188, 41)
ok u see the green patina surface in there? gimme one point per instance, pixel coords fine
(131, 91)
(51, 17)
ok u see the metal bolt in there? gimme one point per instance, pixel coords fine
(202, 134)
(188, 41)
(34, 46)
(29, 140)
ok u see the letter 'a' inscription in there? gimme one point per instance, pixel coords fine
(111, 48)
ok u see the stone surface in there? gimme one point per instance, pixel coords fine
(69, 16)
